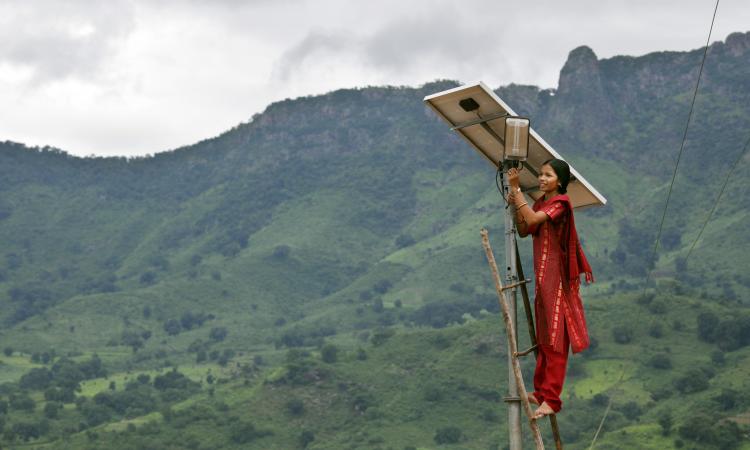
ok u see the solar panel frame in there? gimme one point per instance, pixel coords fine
(493, 108)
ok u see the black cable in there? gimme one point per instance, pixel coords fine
(666, 206)
(499, 183)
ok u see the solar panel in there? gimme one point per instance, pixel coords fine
(483, 128)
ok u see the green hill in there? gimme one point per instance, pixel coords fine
(314, 277)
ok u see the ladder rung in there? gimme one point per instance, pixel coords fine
(526, 352)
(516, 284)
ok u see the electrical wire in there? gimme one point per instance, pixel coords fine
(718, 198)
(664, 213)
(679, 155)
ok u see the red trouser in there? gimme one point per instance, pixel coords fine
(549, 374)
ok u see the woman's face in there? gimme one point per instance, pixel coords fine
(548, 179)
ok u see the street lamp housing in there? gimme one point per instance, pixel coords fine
(517, 138)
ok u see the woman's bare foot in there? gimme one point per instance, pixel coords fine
(543, 410)
(532, 398)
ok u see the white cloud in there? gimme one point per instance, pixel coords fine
(56, 40)
(137, 76)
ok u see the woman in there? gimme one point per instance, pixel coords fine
(558, 262)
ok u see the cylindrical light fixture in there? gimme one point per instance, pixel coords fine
(517, 138)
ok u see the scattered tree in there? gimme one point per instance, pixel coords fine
(448, 435)
(218, 333)
(329, 353)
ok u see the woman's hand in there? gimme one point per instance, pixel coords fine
(513, 177)
(515, 197)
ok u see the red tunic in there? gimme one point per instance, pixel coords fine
(557, 272)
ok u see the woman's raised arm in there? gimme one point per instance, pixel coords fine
(526, 218)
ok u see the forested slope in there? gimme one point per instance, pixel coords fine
(320, 266)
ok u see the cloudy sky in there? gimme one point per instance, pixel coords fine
(129, 77)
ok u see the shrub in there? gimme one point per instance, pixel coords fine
(245, 432)
(694, 380)
(482, 348)
(172, 327)
(295, 407)
(404, 240)
(362, 402)
(489, 415)
(433, 394)
(702, 429)
(708, 324)
(381, 336)
(30, 430)
(51, 409)
(600, 399)
(622, 334)
(576, 367)
(21, 402)
(218, 333)
(658, 306)
(661, 393)
(593, 344)
(656, 330)
(660, 361)
(306, 437)
(147, 278)
(195, 260)
(734, 333)
(225, 357)
(728, 399)
(645, 299)
(631, 410)
(131, 339)
(172, 380)
(382, 286)
(281, 252)
(665, 422)
(36, 379)
(188, 320)
(441, 314)
(448, 435)
(329, 353)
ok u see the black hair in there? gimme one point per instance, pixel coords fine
(562, 170)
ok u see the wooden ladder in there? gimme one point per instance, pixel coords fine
(510, 328)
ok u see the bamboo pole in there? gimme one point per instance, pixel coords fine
(532, 337)
(512, 342)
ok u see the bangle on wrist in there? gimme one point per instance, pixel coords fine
(518, 207)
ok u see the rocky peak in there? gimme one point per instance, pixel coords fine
(738, 43)
(581, 70)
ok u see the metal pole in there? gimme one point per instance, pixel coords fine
(511, 277)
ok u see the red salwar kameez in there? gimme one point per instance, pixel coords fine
(560, 320)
